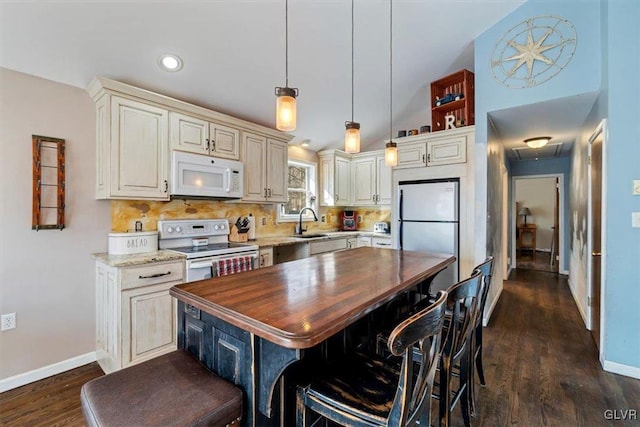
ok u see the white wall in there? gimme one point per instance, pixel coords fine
(47, 277)
(538, 194)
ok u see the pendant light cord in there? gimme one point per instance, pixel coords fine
(286, 42)
(352, 60)
(390, 70)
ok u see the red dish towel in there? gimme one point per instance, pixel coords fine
(234, 265)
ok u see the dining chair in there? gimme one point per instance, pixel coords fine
(486, 269)
(369, 390)
(462, 308)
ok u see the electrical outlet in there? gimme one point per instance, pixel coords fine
(359, 219)
(323, 218)
(635, 219)
(8, 321)
(264, 220)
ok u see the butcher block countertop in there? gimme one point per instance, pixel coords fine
(301, 303)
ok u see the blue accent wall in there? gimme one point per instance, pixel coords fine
(622, 289)
(607, 60)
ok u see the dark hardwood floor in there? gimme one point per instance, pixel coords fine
(537, 260)
(541, 368)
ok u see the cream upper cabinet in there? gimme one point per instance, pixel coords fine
(335, 178)
(137, 128)
(434, 149)
(203, 137)
(265, 169)
(371, 178)
(137, 145)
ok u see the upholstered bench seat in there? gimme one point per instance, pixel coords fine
(170, 390)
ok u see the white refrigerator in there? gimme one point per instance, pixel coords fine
(428, 222)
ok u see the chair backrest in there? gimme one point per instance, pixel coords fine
(463, 301)
(486, 269)
(413, 394)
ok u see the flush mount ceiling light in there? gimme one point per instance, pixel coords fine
(538, 141)
(352, 133)
(170, 62)
(391, 148)
(286, 101)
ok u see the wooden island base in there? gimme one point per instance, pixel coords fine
(250, 327)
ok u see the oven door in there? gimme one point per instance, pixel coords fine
(223, 265)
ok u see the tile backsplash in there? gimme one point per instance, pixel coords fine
(124, 214)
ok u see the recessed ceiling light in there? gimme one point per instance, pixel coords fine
(170, 62)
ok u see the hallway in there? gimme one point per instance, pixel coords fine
(541, 364)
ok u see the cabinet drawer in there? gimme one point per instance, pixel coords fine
(134, 277)
(327, 246)
(381, 242)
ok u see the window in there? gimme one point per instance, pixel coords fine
(301, 189)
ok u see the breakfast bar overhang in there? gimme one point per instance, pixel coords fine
(249, 327)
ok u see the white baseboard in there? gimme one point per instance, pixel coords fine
(46, 371)
(619, 368)
(581, 309)
(485, 319)
(564, 272)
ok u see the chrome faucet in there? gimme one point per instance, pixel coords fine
(299, 229)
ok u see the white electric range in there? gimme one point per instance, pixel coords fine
(205, 243)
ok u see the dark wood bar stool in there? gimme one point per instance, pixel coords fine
(486, 269)
(171, 390)
(462, 309)
(368, 390)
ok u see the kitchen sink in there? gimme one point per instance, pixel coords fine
(309, 236)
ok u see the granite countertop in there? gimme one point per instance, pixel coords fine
(269, 241)
(138, 259)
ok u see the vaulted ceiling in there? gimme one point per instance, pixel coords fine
(234, 54)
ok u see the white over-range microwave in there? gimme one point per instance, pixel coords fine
(196, 175)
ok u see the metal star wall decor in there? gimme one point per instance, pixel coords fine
(533, 51)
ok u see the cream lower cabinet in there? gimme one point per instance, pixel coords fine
(265, 169)
(132, 150)
(435, 149)
(195, 135)
(335, 178)
(136, 318)
(371, 179)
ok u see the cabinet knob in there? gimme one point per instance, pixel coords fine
(213, 145)
(429, 157)
(207, 140)
(265, 192)
(424, 158)
(166, 185)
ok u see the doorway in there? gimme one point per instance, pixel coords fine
(537, 237)
(595, 258)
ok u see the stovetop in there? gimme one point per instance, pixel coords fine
(215, 249)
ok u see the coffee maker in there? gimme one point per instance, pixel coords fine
(349, 221)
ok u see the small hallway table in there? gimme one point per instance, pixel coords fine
(249, 327)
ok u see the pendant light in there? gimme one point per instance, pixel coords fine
(352, 132)
(286, 101)
(391, 148)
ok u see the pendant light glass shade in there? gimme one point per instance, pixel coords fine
(352, 137)
(391, 154)
(352, 132)
(286, 108)
(391, 149)
(537, 142)
(286, 101)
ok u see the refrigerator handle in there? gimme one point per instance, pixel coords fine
(400, 214)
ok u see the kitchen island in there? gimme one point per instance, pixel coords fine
(249, 327)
